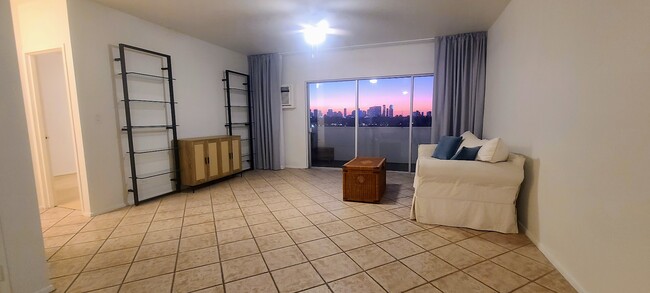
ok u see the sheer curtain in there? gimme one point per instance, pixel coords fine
(459, 87)
(265, 77)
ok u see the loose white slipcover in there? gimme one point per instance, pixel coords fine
(472, 194)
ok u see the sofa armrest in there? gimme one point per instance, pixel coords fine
(426, 150)
(517, 160)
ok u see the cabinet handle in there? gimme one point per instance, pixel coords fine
(205, 160)
(208, 160)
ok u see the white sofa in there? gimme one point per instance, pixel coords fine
(472, 194)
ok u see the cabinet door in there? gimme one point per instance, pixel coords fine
(236, 154)
(224, 155)
(200, 173)
(213, 159)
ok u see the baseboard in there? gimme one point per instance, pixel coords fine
(47, 289)
(551, 258)
(110, 209)
(294, 167)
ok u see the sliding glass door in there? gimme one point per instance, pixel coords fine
(384, 107)
(383, 117)
(422, 109)
(331, 124)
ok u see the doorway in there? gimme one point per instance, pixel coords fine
(370, 117)
(55, 138)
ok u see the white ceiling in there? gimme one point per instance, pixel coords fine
(266, 26)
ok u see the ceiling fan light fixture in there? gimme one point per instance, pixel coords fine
(316, 34)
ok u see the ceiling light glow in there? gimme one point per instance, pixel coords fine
(373, 81)
(316, 35)
(405, 93)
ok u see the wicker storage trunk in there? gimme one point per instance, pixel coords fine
(364, 179)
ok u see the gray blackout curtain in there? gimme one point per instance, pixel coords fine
(266, 101)
(459, 86)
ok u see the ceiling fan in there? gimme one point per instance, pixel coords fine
(316, 34)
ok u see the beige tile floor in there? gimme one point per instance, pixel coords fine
(285, 231)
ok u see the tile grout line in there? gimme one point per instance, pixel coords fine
(141, 241)
(216, 233)
(268, 270)
(96, 252)
(308, 260)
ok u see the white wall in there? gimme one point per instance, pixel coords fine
(568, 86)
(21, 231)
(197, 65)
(4, 277)
(39, 26)
(298, 69)
(56, 111)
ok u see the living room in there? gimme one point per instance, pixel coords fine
(565, 84)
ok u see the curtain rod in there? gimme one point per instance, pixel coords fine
(364, 46)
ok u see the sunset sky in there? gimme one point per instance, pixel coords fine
(388, 91)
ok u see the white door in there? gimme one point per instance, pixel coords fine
(56, 122)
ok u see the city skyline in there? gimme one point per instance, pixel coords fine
(340, 96)
(373, 111)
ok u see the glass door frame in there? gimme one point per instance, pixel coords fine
(356, 116)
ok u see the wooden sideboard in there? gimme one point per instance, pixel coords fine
(203, 159)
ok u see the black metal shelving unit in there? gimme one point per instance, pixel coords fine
(132, 131)
(240, 94)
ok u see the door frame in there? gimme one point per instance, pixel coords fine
(356, 118)
(40, 150)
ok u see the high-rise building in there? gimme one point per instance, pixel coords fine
(383, 111)
(374, 111)
(345, 112)
(428, 113)
(330, 112)
(390, 111)
(316, 113)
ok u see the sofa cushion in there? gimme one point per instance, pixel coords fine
(466, 154)
(470, 172)
(493, 150)
(447, 147)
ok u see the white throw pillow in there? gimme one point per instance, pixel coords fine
(470, 140)
(493, 150)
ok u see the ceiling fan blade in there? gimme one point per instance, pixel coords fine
(339, 32)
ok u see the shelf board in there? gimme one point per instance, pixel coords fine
(153, 174)
(151, 151)
(149, 126)
(149, 101)
(145, 75)
(238, 124)
(237, 106)
(236, 89)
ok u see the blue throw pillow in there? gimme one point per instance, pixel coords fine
(466, 154)
(447, 146)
